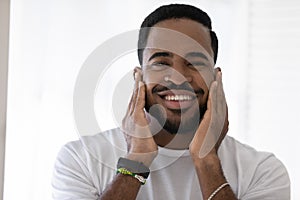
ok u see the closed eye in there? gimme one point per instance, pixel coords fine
(160, 65)
(197, 65)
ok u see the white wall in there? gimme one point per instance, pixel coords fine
(4, 27)
(273, 111)
(49, 42)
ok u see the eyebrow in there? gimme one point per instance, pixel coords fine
(196, 54)
(188, 55)
(160, 54)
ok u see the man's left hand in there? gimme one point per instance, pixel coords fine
(214, 124)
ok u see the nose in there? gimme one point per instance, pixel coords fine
(179, 74)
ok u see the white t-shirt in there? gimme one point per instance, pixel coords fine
(84, 168)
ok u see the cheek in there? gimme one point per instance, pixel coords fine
(207, 77)
(151, 78)
(149, 88)
(149, 100)
(202, 79)
(200, 82)
(149, 95)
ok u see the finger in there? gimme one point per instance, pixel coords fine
(126, 117)
(225, 129)
(212, 96)
(140, 103)
(221, 94)
(220, 80)
(222, 108)
(138, 74)
(137, 77)
(226, 124)
(129, 105)
(216, 70)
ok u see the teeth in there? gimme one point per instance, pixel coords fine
(178, 97)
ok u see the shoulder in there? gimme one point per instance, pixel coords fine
(246, 156)
(107, 140)
(254, 172)
(89, 149)
(83, 167)
(232, 148)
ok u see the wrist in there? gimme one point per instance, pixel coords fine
(145, 158)
(133, 168)
(210, 160)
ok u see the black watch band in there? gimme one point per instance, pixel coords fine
(134, 167)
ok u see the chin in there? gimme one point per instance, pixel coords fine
(179, 122)
(183, 125)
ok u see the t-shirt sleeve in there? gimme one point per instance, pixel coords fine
(270, 181)
(71, 177)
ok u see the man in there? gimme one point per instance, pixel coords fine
(175, 144)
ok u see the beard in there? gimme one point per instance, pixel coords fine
(186, 124)
(182, 123)
(177, 121)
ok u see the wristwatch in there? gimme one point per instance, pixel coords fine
(134, 167)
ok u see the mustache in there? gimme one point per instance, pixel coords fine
(171, 86)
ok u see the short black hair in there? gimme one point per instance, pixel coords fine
(175, 11)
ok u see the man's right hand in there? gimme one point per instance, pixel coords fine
(141, 146)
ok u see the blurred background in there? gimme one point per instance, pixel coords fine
(50, 40)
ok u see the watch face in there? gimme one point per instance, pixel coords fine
(134, 167)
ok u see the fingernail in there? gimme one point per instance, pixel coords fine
(141, 83)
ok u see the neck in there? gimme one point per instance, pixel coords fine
(173, 141)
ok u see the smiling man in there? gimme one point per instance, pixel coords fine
(175, 144)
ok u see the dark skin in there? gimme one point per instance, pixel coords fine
(143, 147)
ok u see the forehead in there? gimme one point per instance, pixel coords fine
(179, 36)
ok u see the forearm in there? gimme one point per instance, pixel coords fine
(210, 176)
(123, 187)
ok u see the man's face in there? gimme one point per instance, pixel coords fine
(178, 70)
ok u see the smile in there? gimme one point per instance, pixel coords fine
(178, 97)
